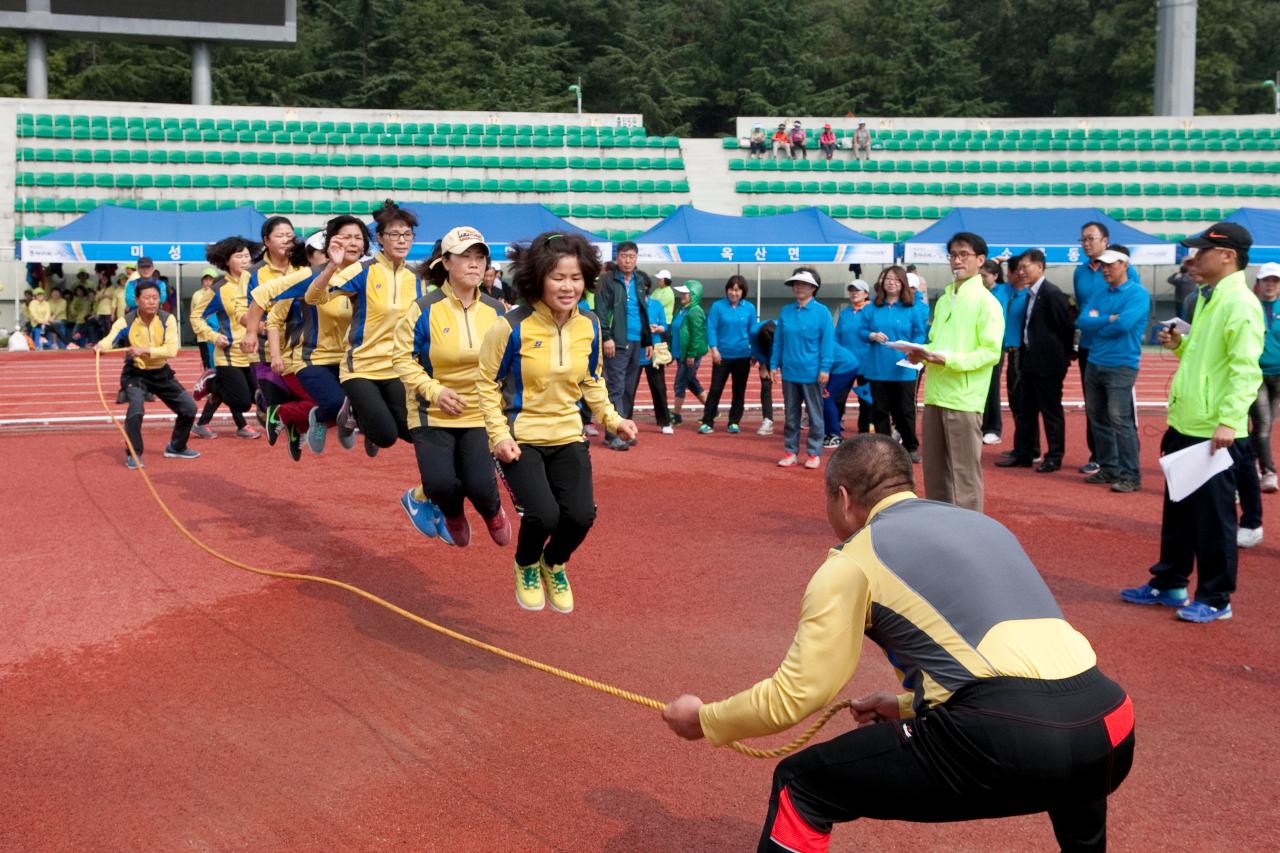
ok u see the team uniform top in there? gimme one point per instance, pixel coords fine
(311, 335)
(533, 373)
(917, 581)
(438, 346)
(261, 274)
(229, 303)
(380, 295)
(160, 336)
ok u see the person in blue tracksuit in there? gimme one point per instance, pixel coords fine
(729, 345)
(803, 343)
(844, 369)
(656, 375)
(847, 337)
(761, 353)
(893, 316)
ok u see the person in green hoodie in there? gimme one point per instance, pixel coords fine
(964, 346)
(688, 344)
(1209, 399)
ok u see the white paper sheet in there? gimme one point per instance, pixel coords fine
(905, 363)
(1190, 468)
(1177, 324)
(904, 346)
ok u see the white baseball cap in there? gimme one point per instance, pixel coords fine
(682, 288)
(859, 284)
(1270, 270)
(1111, 256)
(664, 274)
(914, 281)
(316, 241)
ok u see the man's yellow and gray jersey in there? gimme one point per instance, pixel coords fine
(949, 595)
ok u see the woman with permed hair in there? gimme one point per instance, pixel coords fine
(536, 364)
(234, 351)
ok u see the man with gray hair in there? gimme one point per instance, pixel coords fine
(1008, 713)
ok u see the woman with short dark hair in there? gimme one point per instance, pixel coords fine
(729, 344)
(536, 365)
(234, 351)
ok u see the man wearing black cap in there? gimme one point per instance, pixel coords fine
(1216, 382)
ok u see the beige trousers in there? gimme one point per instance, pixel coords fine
(952, 447)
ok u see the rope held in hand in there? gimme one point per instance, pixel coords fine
(636, 698)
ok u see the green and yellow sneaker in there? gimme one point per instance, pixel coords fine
(557, 582)
(529, 594)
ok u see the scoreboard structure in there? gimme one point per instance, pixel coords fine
(197, 22)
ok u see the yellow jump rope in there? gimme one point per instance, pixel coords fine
(779, 752)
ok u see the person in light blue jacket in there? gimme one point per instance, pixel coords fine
(729, 345)
(654, 374)
(847, 337)
(844, 369)
(803, 350)
(893, 316)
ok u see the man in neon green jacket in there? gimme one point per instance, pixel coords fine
(964, 346)
(1216, 382)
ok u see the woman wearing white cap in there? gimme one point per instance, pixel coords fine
(437, 355)
(802, 354)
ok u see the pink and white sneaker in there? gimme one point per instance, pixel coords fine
(788, 461)
(812, 462)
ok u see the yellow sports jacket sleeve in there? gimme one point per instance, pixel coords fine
(490, 392)
(417, 382)
(822, 659)
(203, 331)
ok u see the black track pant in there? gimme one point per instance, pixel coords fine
(455, 463)
(165, 386)
(553, 485)
(896, 401)
(234, 387)
(380, 409)
(737, 369)
(998, 747)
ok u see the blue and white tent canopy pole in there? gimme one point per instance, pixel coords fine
(809, 236)
(115, 235)
(501, 224)
(1055, 231)
(1264, 225)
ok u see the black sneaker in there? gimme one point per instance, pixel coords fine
(273, 425)
(1100, 477)
(295, 444)
(616, 443)
(676, 419)
(1126, 486)
(370, 449)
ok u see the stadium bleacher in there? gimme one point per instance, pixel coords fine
(618, 180)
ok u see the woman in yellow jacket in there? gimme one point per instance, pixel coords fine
(381, 290)
(233, 351)
(536, 364)
(436, 354)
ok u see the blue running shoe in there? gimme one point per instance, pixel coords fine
(1198, 611)
(441, 528)
(421, 513)
(316, 431)
(1147, 594)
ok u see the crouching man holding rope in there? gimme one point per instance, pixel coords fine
(149, 338)
(1008, 712)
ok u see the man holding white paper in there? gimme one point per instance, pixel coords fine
(964, 346)
(1215, 384)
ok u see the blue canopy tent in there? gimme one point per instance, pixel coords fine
(501, 225)
(1010, 231)
(1264, 225)
(110, 234)
(809, 236)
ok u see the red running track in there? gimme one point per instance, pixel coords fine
(48, 388)
(154, 698)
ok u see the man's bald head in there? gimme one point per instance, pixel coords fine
(870, 468)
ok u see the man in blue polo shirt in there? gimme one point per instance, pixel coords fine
(1088, 282)
(621, 305)
(1115, 319)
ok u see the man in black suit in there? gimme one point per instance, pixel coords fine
(1047, 339)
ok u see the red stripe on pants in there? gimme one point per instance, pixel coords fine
(792, 831)
(1120, 722)
(295, 413)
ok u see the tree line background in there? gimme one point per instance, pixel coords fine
(691, 66)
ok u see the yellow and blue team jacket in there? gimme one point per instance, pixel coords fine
(160, 336)
(261, 274)
(437, 347)
(533, 373)
(948, 594)
(310, 334)
(380, 294)
(229, 303)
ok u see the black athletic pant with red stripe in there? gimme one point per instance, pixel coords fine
(998, 747)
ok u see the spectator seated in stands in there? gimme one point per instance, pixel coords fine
(758, 145)
(862, 142)
(799, 141)
(781, 141)
(827, 141)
